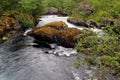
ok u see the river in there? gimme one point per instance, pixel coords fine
(19, 60)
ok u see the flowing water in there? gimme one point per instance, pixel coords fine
(51, 18)
(19, 60)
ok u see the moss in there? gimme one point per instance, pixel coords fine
(48, 31)
(59, 25)
(57, 33)
(69, 34)
(8, 22)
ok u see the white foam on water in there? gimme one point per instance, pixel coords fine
(52, 18)
(62, 51)
(28, 30)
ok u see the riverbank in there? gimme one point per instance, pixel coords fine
(100, 51)
(13, 24)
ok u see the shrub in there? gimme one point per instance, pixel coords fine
(107, 48)
(25, 20)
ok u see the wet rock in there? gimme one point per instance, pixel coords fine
(106, 22)
(77, 21)
(54, 34)
(51, 11)
(91, 23)
(85, 7)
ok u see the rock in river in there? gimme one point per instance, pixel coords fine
(56, 33)
(77, 21)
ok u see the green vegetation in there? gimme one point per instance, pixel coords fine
(32, 7)
(101, 51)
(25, 20)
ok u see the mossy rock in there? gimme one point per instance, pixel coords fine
(56, 33)
(9, 22)
(77, 21)
(67, 37)
(59, 25)
(48, 31)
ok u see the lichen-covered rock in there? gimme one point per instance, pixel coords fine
(54, 34)
(77, 21)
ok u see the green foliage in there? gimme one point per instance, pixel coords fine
(113, 30)
(107, 48)
(112, 62)
(32, 7)
(77, 62)
(25, 20)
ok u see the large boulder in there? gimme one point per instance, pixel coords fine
(56, 34)
(67, 37)
(77, 21)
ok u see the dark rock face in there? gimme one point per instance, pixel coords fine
(54, 34)
(77, 21)
(91, 23)
(106, 22)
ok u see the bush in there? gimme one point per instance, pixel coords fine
(25, 20)
(107, 48)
